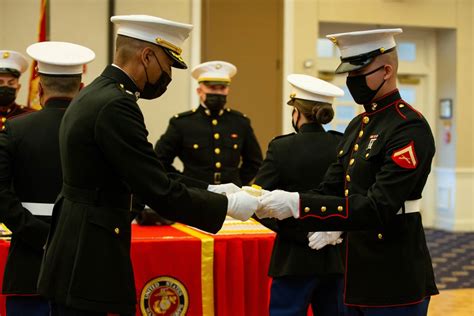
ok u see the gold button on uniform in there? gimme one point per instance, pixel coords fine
(351, 162)
(4, 119)
(401, 105)
(307, 209)
(361, 133)
(195, 146)
(367, 155)
(235, 146)
(323, 209)
(348, 178)
(217, 151)
(356, 147)
(218, 164)
(340, 208)
(214, 122)
(217, 136)
(346, 192)
(341, 152)
(380, 236)
(117, 230)
(365, 119)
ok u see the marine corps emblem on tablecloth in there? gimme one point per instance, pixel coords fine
(164, 296)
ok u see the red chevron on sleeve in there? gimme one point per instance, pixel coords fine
(406, 157)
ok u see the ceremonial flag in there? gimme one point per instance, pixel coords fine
(43, 35)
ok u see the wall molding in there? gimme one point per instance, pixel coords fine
(454, 198)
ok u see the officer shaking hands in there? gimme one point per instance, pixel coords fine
(374, 188)
(12, 65)
(106, 159)
(216, 144)
(30, 172)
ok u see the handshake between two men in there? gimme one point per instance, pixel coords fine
(246, 201)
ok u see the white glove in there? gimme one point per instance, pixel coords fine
(279, 204)
(241, 205)
(226, 188)
(318, 240)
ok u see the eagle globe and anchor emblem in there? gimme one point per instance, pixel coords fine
(164, 296)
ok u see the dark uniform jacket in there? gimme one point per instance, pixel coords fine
(213, 148)
(30, 171)
(11, 112)
(105, 158)
(384, 160)
(298, 162)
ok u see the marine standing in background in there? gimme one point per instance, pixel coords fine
(12, 65)
(30, 172)
(216, 144)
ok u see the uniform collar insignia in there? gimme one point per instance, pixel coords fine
(121, 77)
(382, 102)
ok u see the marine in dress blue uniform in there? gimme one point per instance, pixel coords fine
(303, 276)
(216, 144)
(30, 172)
(12, 65)
(373, 190)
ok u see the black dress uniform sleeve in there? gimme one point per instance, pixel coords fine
(251, 157)
(19, 220)
(392, 187)
(126, 142)
(169, 146)
(268, 177)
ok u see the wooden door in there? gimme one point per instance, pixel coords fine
(249, 34)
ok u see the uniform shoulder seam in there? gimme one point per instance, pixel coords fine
(184, 114)
(235, 112)
(283, 136)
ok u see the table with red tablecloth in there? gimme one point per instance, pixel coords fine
(183, 271)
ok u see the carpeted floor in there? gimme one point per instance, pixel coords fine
(453, 258)
(453, 262)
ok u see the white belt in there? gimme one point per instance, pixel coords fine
(410, 207)
(41, 209)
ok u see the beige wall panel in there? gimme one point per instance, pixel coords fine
(446, 89)
(249, 34)
(83, 22)
(439, 13)
(158, 112)
(19, 29)
(464, 113)
(306, 29)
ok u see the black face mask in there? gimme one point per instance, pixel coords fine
(215, 102)
(153, 91)
(293, 123)
(7, 95)
(359, 89)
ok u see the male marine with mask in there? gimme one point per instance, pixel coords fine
(374, 188)
(106, 159)
(216, 144)
(12, 65)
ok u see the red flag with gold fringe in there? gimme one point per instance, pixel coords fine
(33, 95)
